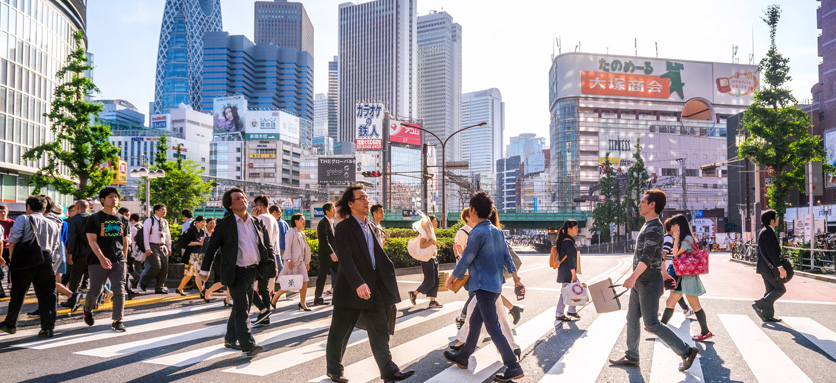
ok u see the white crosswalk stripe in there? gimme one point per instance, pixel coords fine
(665, 364)
(755, 346)
(821, 336)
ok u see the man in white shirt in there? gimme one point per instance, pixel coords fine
(157, 250)
(262, 301)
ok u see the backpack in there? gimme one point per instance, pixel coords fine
(139, 238)
(553, 261)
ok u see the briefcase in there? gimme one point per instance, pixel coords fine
(604, 296)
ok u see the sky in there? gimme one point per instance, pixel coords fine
(506, 44)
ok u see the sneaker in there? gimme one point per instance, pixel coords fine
(118, 326)
(262, 318)
(435, 305)
(108, 296)
(7, 329)
(76, 301)
(233, 346)
(34, 314)
(688, 312)
(140, 288)
(88, 318)
(161, 290)
(254, 351)
(700, 338)
(510, 374)
(459, 323)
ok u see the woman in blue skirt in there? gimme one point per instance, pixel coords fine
(689, 285)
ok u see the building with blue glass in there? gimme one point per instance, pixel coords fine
(180, 53)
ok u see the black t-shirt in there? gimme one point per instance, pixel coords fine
(110, 233)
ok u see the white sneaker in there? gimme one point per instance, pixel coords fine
(688, 312)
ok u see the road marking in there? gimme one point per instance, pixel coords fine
(754, 345)
(584, 360)
(486, 361)
(752, 300)
(665, 364)
(188, 336)
(821, 336)
(299, 355)
(366, 369)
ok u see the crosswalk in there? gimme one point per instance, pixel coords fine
(295, 345)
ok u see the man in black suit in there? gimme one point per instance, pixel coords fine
(327, 256)
(769, 267)
(78, 249)
(365, 284)
(244, 244)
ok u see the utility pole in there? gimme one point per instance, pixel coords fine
(684, 187)
(425, 177)
(748, 223)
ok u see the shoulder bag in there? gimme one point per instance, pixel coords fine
(28, 255)
(694, 262)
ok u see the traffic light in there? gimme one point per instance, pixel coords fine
(374, 173)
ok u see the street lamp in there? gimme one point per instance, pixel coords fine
(444, 166)
(148, 175)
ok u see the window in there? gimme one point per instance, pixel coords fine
(670, 172)
(691, 173)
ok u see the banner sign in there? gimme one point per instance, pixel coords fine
(404, 133)
(339, 169)
(369, 125)
(262, 125)
(229, 114)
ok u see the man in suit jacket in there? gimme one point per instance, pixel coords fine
(365, 284)
(244, 243)
(78, 249)
(769, 267)
(327, 255)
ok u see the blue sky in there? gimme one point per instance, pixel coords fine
(506, 44)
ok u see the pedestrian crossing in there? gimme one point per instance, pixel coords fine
(295, 345)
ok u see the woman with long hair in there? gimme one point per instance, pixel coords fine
(195, 237)
(297, 254)
(567, 254)
(689, 285)
(429, 286)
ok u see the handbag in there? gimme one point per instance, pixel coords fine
(413, 247)
(458, 283)
(575, 294)
(290, 282)
(691, 263)
(28, 255)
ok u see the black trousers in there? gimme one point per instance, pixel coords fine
(774, 290)
(238, 327)
(343, 321)
(261, 300)
(77, 271)
(44, 280)
(430, 284)
(326, 266)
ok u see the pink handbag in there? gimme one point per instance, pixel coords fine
(691, 263)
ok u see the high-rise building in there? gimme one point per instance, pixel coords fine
(269, 77)
(284, 24)
(525, 144)
(22, 123)
(180, 53)
(440, 79)
(508, 183)
(376, 59)
(320, 119)
(324, 145)
(120, 110)
(333, 97)
(482, 146)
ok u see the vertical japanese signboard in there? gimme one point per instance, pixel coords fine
(369, 125)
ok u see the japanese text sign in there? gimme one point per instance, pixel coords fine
(404, 132)
(369, 125)
(625, 84)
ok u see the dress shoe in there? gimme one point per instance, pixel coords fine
(233, 346)
(254, 351)
(773, 319)
(758, 310)
(338, 378)
(319, 302)
(412, 296)
(161, 290)
(625, 362)
(45, 334)
(455, 346)
(398, 376)
(7, 329)
(456, 358)
(181, 292)
(510, 374)
(687, 362)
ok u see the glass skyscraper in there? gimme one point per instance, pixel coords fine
(284, 24)
(180, 53)
(482, 146)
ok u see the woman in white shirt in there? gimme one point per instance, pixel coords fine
(297, 254)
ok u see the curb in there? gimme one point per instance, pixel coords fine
(805, 274)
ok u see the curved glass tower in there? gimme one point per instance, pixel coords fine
(180, 55)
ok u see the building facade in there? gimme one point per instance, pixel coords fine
(333, 97)
(180, 53)
(482, 146)
(376, 59)
(31, 32)
(439, 79)
(323, 145)
(601, 106)
(284, 24)
(320, 118)
(525, 144)
(120, 110)
(508, 172)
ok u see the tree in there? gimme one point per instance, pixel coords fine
(181, 188)
(778, 131)
(609, 210)
(80, 146)
(638, 181)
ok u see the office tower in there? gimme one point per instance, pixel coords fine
(284, 24)
(482, 146)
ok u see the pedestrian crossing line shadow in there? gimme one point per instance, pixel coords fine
(711, 361)
(802, 340)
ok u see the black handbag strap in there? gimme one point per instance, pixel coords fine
(34, 232)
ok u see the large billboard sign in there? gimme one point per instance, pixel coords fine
(369, 127)
(404, 133)
(337, 169)
(830, 157)
(160, 121)
(229, 114)
(262, 125)
(289, 128)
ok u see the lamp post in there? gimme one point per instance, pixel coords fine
(148, 175)
(444, 166)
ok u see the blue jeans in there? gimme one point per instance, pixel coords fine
(485, 312)
(644, 303)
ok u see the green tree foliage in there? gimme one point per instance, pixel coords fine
(638, 181)
(181, 188)
(779, 132)
(609, 209)
(80, 145)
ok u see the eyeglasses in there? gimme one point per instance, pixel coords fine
(363, 198)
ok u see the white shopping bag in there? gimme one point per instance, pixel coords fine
(575, 294)
(290, 282)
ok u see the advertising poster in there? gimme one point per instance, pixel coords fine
(289, 128)
(262, 125)
(369, 125)
(404, 133)
(229, 114)
(160, 121)
(336, 169)
(830, 148)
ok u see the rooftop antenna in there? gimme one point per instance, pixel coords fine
(734, 59)
(656, 43)
(636, 45)
(752, 55)
(559, 45)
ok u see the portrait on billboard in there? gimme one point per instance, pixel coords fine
(229, 114)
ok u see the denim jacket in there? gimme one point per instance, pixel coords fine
(485, 255)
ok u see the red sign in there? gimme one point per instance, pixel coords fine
(404, 132)
(625, 84)
(182, 149)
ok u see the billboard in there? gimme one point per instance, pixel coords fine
(229, 114)
(830, 157)
(369, 125)
(336, 169)
(289, 128)
(262, 125)
(160, 121)
(404, 133)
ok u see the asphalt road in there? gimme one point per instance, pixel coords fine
(180, 339)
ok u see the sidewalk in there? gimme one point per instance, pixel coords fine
(806, 274)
